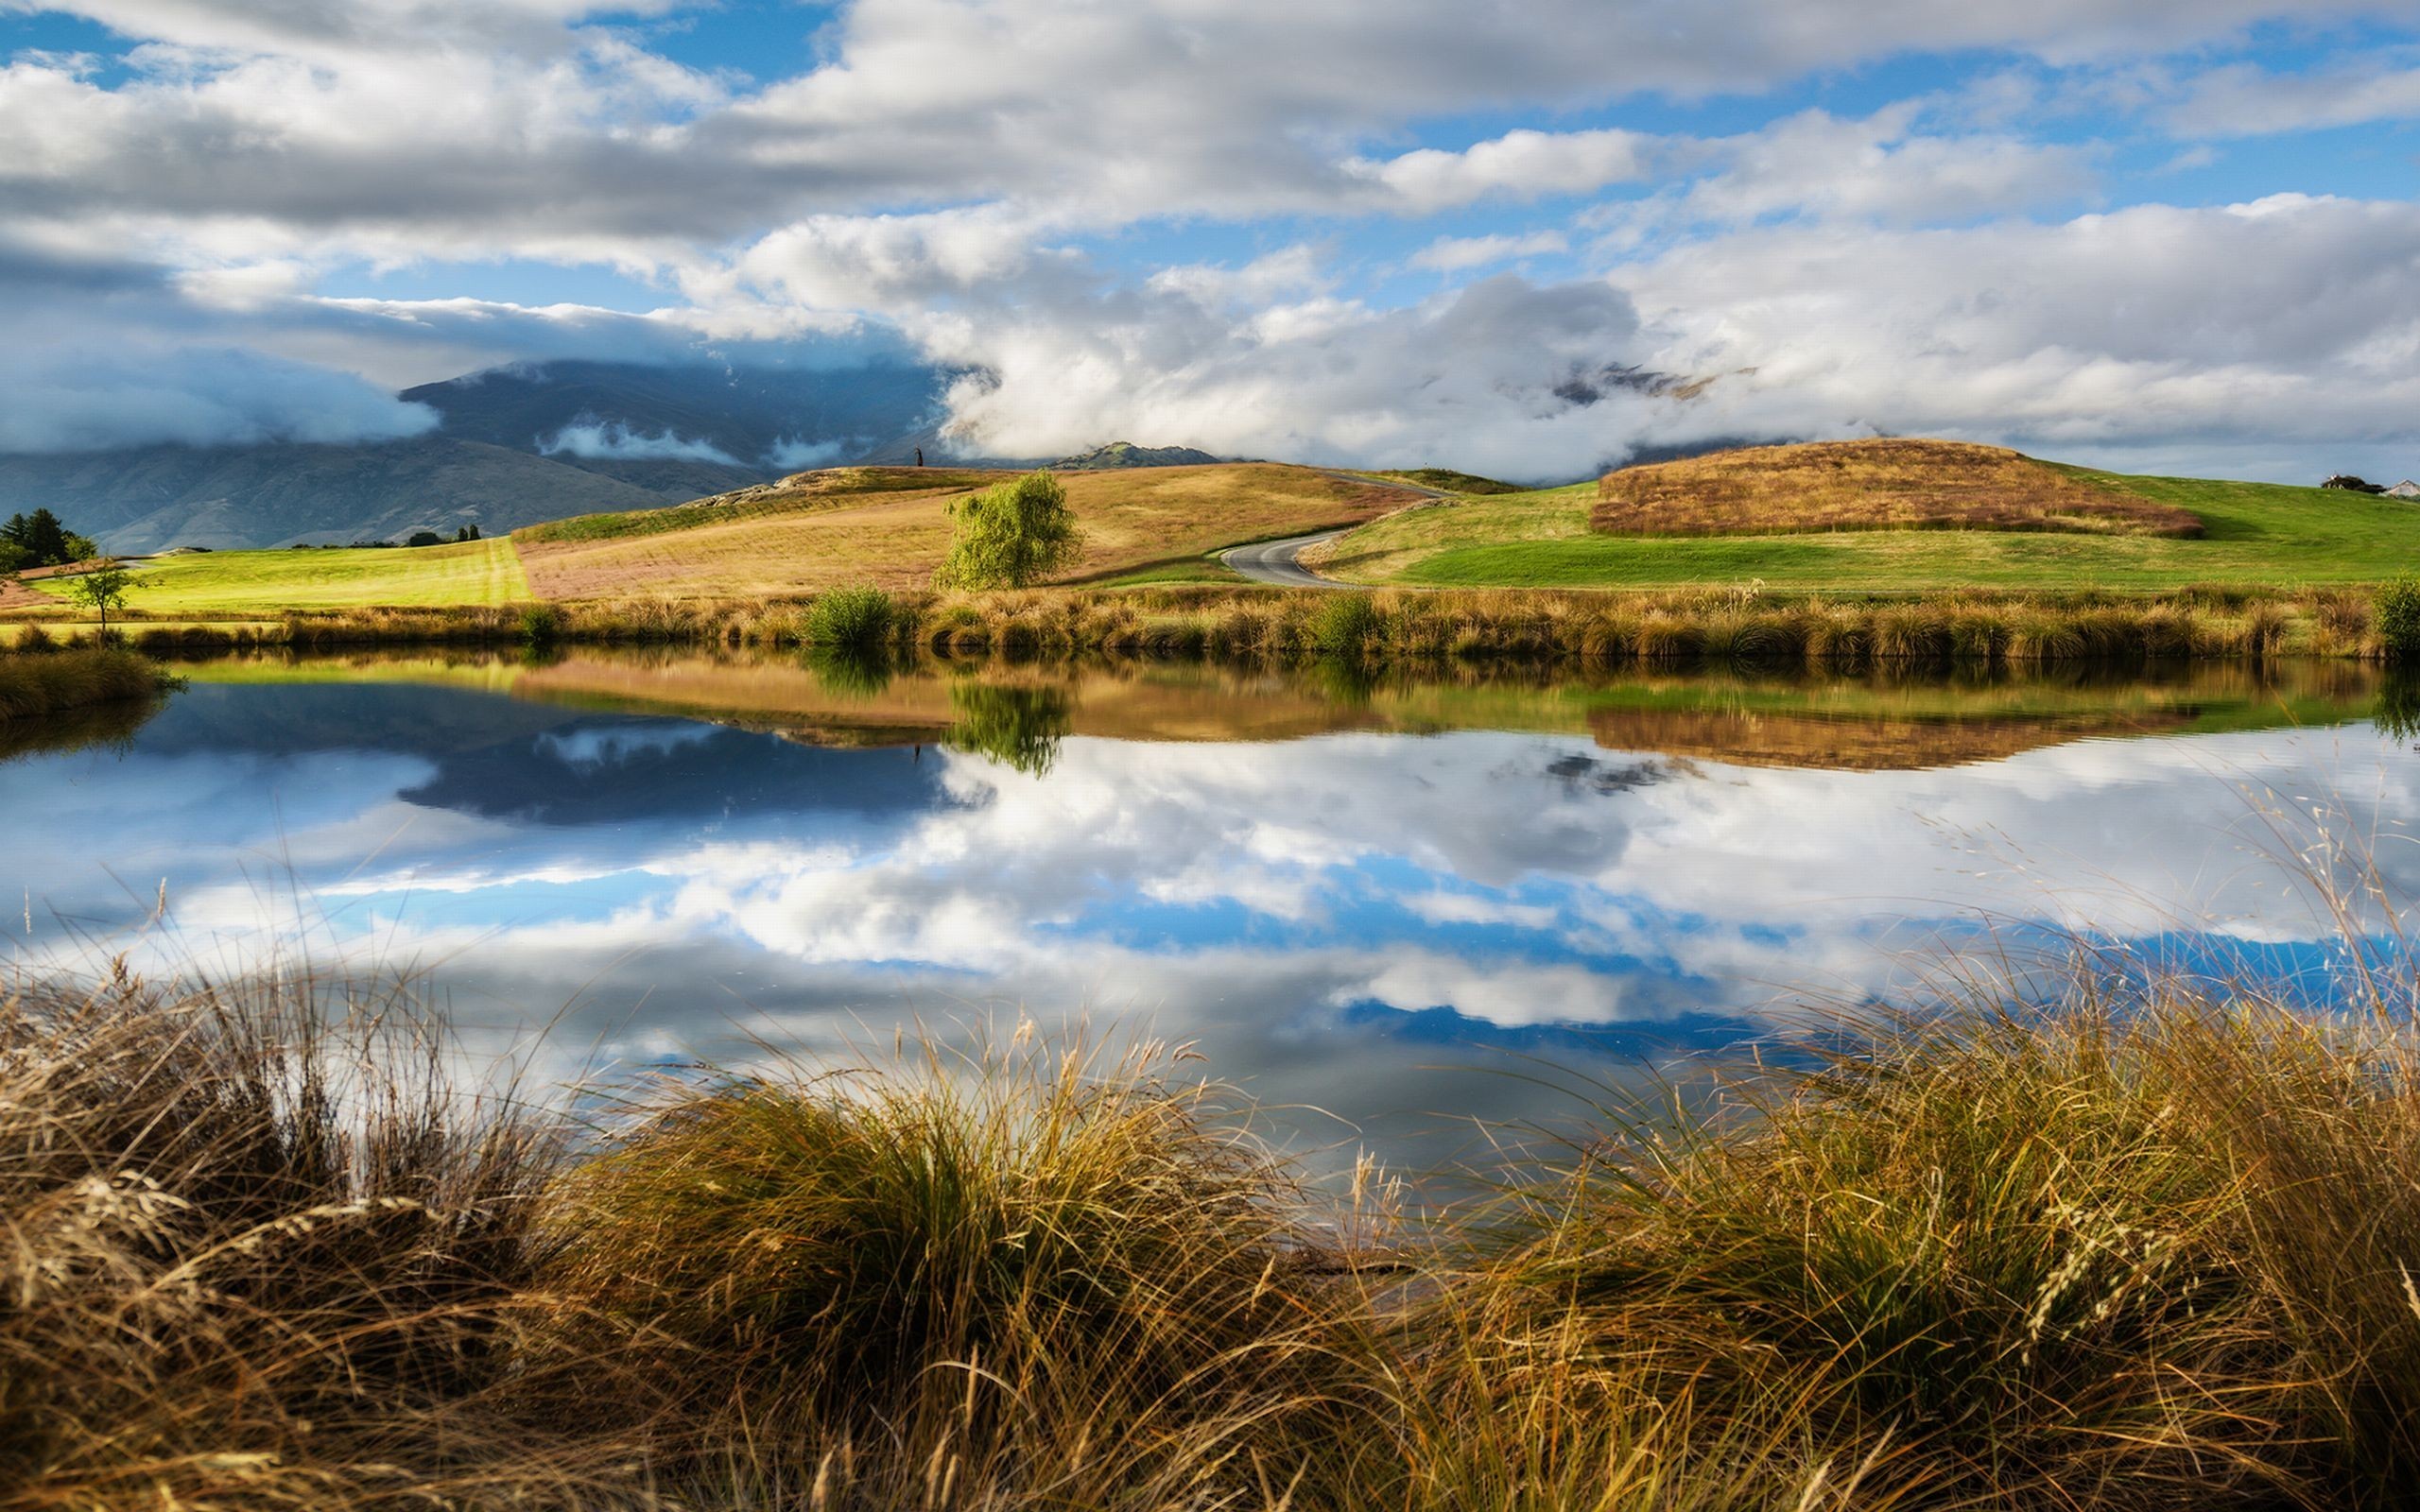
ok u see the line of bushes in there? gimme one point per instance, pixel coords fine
(1742, 627)
(259, 1255)
(42, 682)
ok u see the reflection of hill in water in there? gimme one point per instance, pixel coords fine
(1850, 744)
(1877, 723)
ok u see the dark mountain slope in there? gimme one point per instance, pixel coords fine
(747, 415)
(161, 496)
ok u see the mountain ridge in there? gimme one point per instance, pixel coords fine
(514, 446)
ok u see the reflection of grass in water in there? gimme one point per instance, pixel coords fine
(112, 725)
(857, 671)
(1018, 725)
(2398, 709)
(1348, 682)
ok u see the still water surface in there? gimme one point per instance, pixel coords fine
(1389, 903)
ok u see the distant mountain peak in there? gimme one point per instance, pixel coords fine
(1126, 453)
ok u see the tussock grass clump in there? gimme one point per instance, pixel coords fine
(2103, 1259)
(1345, 626)
(856, 619)
(35, 683)
(248, 1261)
(1016, 1265)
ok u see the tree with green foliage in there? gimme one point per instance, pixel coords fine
(44, 541)
(14, 559)
(1011, 535)
(425, 538)
(466, 533)
(102, 590)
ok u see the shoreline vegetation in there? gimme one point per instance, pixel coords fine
(42, 683)
(1740, 626)
(264, 1251)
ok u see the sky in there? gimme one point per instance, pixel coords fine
(1522, 238)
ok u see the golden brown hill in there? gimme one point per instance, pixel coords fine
(1872, 484)
(889, 526)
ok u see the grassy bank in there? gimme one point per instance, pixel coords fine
(2253, 535)
(37, 683)
(259, 1257)
(236, 582)
(1742, 627)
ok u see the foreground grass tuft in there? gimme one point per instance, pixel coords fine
(255, 1253)
(1061, 1276)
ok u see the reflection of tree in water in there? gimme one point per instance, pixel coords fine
(1020, 726)
(859, 671)
(2398, 710)
(101, 725)
(1347, 683)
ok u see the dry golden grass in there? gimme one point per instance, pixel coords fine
(1875, 485)
(2140, 1254)
(34, 684)
(889, 527)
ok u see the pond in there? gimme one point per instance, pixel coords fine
(1389, 907)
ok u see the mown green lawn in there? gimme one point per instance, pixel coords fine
(2257, 533)
(477, 571)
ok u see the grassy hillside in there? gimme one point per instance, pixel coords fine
(478, 571)
(889, 525)
(2254, 533)
(1871, 485)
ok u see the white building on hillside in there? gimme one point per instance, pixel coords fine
(2404, 489)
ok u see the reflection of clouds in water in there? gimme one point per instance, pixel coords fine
(684, 875)
(591, 746)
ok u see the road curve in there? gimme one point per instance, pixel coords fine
(1279, 564)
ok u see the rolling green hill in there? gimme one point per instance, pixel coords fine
(2253, 533)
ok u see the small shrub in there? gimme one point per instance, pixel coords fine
(1345, 625)
(541, 624)
(2396, 616)
(857, 619)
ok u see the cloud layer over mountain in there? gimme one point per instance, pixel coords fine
(1366, 230)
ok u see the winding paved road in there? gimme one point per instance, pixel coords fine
(1279, 562)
